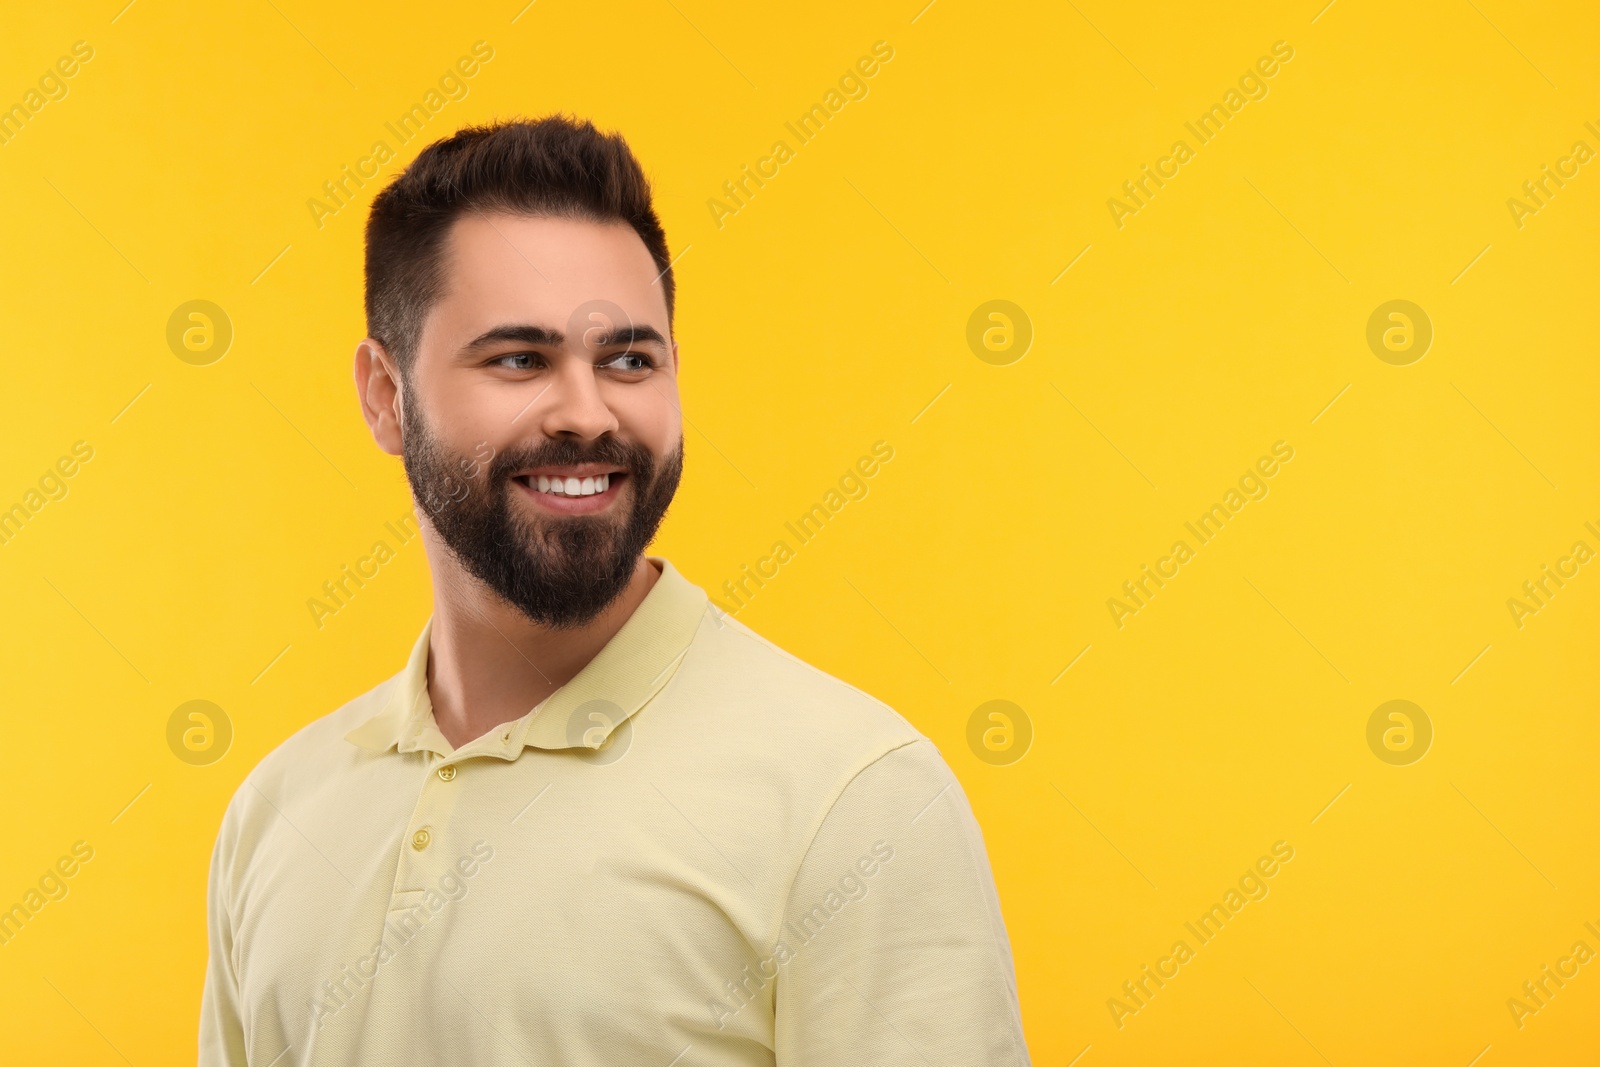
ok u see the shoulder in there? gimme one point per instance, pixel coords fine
(322, 740)
(313, 757)
(760, 698)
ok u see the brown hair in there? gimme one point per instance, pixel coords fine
(554, 166)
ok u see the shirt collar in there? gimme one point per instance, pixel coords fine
(632, 667)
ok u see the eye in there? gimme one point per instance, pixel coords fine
(632, 361)
(515, 361)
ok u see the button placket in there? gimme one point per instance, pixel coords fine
(422, 857)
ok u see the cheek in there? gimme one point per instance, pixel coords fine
(649, 413)
(463, 413)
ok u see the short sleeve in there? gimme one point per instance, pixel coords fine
(893, 950)
(222, 1040)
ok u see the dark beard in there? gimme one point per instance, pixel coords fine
(562, 571)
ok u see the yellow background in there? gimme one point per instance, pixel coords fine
(823, 316)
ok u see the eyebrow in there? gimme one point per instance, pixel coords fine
(531, 334)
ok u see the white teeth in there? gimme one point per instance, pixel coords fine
(573, 486)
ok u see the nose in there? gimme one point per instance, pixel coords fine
(573, 402)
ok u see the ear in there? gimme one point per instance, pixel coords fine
(378, 389)
(674, 359)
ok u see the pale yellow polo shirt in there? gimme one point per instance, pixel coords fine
(699, 851)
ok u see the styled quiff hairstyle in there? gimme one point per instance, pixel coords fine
(554, 167)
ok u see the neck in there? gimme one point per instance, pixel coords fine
(488, 663)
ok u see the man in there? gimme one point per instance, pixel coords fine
(593, 821)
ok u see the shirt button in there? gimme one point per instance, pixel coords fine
(420, 839)
(447, 773)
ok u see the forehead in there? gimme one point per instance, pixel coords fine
(501, 268)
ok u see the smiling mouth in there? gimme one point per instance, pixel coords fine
(570, 486)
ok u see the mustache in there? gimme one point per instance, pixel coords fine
(635, 458)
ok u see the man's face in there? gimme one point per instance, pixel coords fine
(541, 434)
